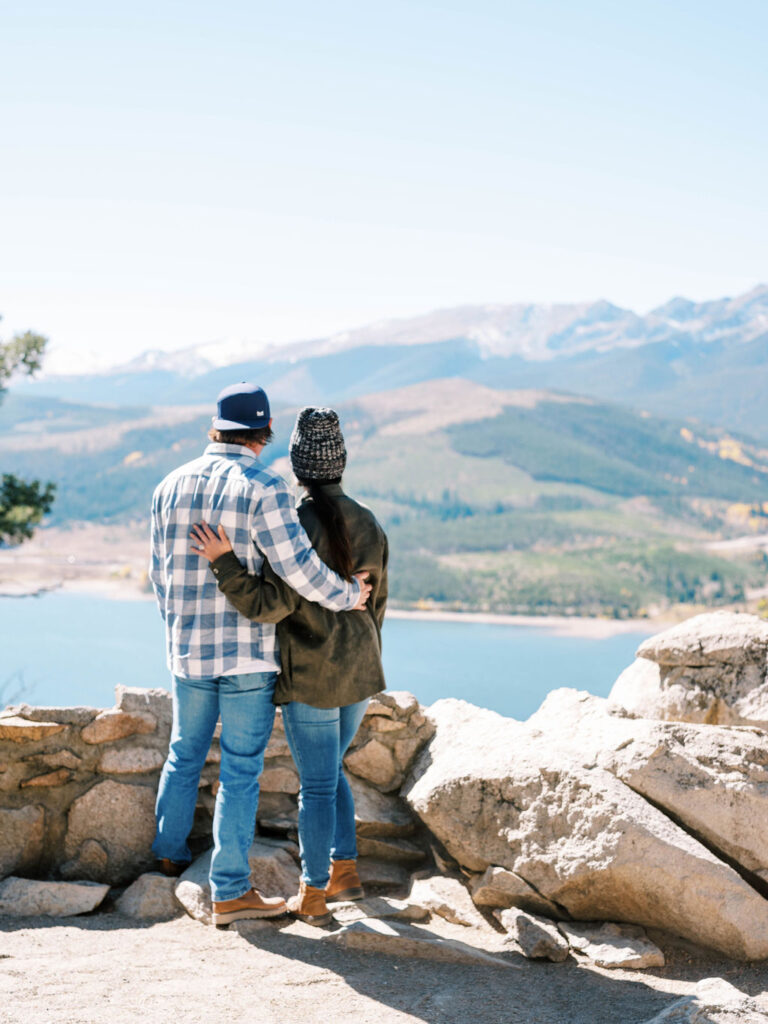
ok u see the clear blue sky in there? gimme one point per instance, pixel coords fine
(173, 173)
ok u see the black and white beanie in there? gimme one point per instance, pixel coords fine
(317, 445)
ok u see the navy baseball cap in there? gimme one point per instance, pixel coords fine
(242, 407)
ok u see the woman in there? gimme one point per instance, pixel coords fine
(331, 661)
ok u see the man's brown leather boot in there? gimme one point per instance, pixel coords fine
(251, 904)
(309, 905)
(344, 883)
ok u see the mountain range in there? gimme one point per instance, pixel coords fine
(707, 360)
(568, 458)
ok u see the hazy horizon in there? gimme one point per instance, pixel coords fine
(177, 175)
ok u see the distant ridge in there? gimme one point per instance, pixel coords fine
(707, 360)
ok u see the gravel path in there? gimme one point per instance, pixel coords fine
(104, 969)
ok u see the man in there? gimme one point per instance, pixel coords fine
(222, 665)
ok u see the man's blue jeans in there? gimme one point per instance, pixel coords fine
(318, 738)
(244, 703)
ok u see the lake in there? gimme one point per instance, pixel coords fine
(71, 649)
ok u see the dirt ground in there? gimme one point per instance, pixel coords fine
(105, 969)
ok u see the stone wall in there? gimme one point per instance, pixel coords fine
(588, 811)
(78, 785)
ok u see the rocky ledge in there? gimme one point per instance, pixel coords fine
(565, 836)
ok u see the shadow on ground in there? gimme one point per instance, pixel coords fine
(281, 971)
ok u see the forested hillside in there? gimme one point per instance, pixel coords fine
(511, 501)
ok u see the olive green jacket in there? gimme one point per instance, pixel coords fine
(329, 659)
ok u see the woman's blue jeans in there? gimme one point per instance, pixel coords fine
(318, 738)
(244, 703)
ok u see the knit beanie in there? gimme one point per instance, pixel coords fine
(317, 445)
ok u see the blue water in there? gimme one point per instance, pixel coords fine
(74, 648)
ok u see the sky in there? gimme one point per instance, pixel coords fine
(178, 173)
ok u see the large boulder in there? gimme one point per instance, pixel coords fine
(121, 818)
(21, 837)
(711, 780)
(537, 799)
(711, 668)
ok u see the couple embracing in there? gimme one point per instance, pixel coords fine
(266, 605)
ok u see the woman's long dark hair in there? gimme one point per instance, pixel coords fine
(332, 521)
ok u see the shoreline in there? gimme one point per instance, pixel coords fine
(588, 627)
(585, 626)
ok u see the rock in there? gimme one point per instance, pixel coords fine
(57, 778)
(22, 831)
(498, 887)
(712, 780)
(379, 814)
(24, 897)
(374, 761)
(273, 870)
(378, 709)
(90, 862)
(638, 689)
(278, 811)
(156, 702)
(116, 725)
(382, 873)
(379, 907)
(709, 669)
(131, 761)
(537, 937)
(613, 945)
(273, 873)
(19, 730)
(726, 637)
(379, 723)
(715, 1001)
(193, 890)
(57, 759)
(62, 715)
(396, 939)
(279, 780)
(121, 818)
(405, 751)
(150, 898)
(447, 898)
(393, 704)
(389, 848)
(533, 799)
(276, 843)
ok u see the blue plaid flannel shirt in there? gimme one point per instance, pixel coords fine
(228, 485)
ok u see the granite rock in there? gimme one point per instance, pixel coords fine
(528, 798)
(537, 937)
(22, 830)
(150, 898)
(26, 897)
(403, 940)
(613, 945)
(447, 898)
(121, 818)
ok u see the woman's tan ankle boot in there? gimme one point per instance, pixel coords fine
(309, 905)
(344, 883)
